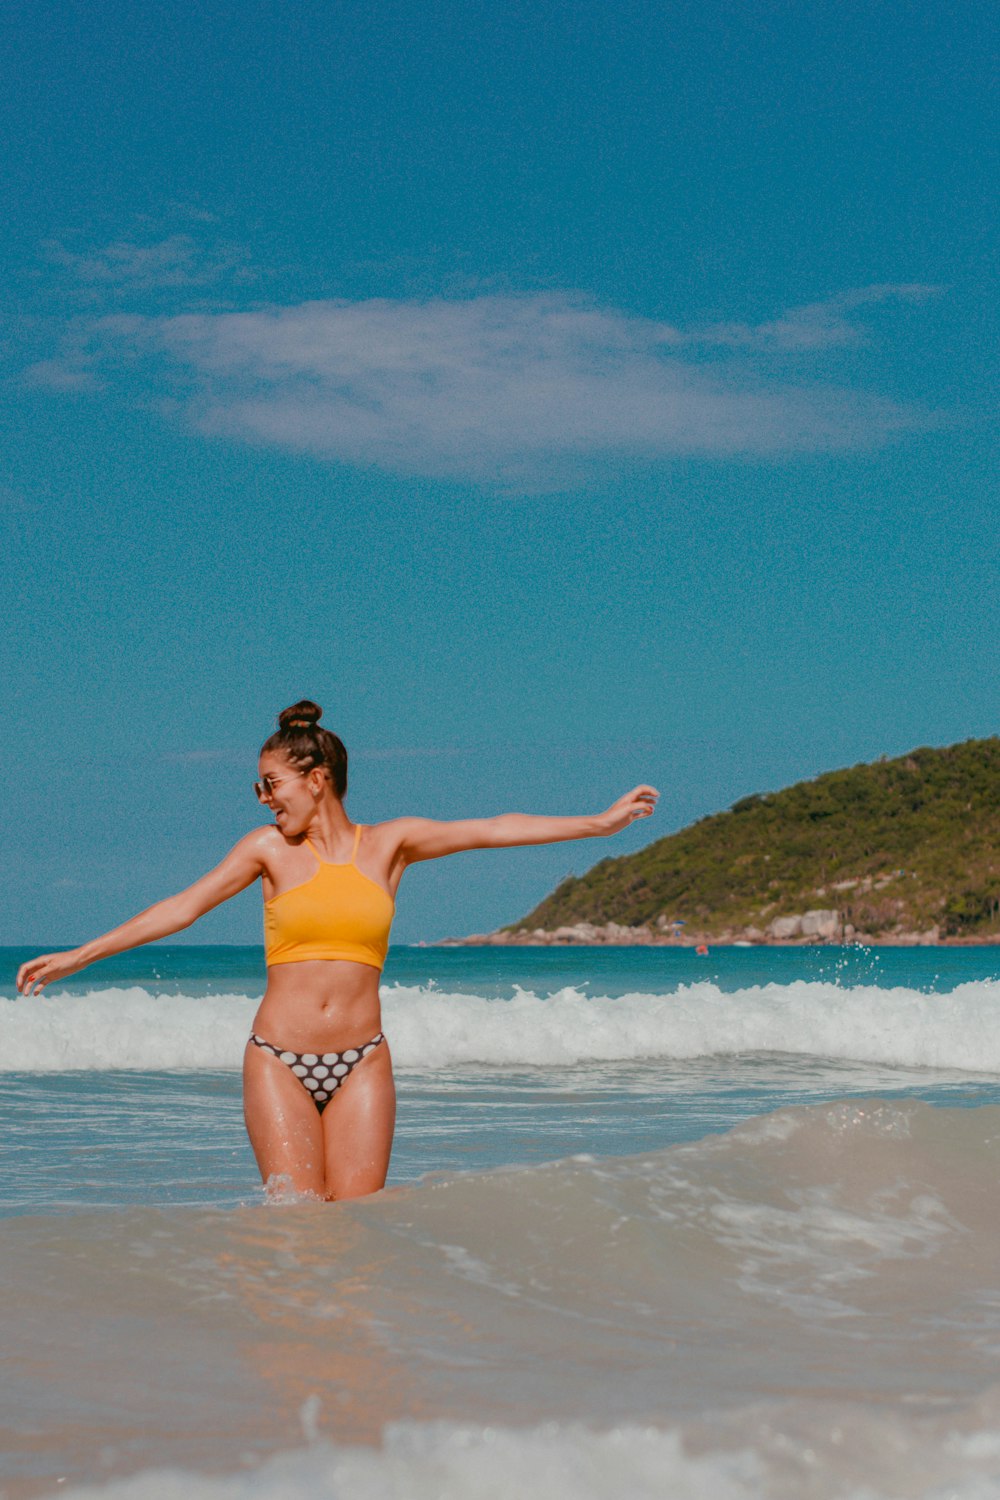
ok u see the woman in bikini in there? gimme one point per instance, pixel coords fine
(319, 1098)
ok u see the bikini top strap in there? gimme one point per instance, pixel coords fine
(354, 851)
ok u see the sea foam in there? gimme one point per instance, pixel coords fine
(449, 1461)
(430, 1029)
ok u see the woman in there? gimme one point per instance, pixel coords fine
(329, 890)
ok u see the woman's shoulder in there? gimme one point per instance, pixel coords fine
(388, 840)
(268, 843)
(392, 830)
(267, 836)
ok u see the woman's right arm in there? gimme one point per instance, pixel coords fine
(240, 868)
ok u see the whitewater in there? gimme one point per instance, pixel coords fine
(655, 1224)
(433, 1031)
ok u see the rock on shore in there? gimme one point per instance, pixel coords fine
(797, 928)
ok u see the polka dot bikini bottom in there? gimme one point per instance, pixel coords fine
(322, 1073)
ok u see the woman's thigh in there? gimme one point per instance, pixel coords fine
(283, 1123)
(358, 1124)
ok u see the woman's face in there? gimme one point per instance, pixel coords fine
(291, 794)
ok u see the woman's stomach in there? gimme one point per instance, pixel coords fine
(328, 1004)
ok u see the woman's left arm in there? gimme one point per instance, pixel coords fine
(424, 838)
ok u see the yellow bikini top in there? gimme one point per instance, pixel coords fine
(336, 913)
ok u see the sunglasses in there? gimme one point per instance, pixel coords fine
(264, 788)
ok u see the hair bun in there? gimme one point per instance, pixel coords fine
(302, 715)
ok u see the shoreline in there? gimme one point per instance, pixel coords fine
(616, 936)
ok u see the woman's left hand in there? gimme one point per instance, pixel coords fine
(638, 803)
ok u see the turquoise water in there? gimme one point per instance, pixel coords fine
(122, 1086)
(199, 969)
(716, 1228)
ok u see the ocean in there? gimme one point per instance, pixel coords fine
(656, 1224)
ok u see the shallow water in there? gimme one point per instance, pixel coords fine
(655, 1231)
(833, 1267)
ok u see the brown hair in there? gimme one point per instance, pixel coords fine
(300, 739)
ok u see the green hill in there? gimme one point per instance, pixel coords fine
(901, 845)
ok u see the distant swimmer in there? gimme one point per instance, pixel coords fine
(318, 1091)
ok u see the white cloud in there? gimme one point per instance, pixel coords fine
(522, 391)
(177, 261)
(65, 374)
(817, 325)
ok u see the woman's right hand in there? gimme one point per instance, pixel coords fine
(38, 972)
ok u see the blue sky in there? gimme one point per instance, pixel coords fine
(564, 397)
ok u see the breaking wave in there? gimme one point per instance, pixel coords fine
(432, 1030)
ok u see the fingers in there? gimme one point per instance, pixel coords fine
(640, 794)
(32, 973)
(646, 797)
(640, 802)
